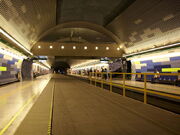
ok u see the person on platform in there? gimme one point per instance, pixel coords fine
(156, 77)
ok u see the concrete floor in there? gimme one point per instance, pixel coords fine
(15, 101)
(83, 109)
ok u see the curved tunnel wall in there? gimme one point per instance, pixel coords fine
(146, 23)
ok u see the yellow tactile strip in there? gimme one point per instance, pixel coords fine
(38, 119)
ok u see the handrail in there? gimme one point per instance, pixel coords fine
(124, 86)
(171, 74)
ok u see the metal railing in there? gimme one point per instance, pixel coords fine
(100, 78)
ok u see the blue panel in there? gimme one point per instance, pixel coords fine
(147, 61)
(151, 70)
(10, 65)
(168, 78)
(1, 55)
(157, 63)
(138, 70)
(174, 58)
(175, 65)
(143, 69)
(150, 66)
(159, 67)
(11, 62)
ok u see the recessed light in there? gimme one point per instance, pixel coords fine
(51, 47)
(74, 47)
(96, 48)
(118, 48)
(62, 47)
(107, 48)
(85, 48)
(39, 46)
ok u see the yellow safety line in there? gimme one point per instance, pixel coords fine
(16, 115)
(120, 85)
(164, 94)
(51, 110)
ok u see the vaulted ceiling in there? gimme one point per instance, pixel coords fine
(134, 24)
(31, 21)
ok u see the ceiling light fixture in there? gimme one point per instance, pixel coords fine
(85, 48)
(96, 48)
(62, 47)
(16, 42)
(51, 47)
(118, 48)
(107, 48)
(74, 47)
(39, 46)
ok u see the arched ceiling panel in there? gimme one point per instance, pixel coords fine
(94, 11)
(25, 20)
(148, 23)
(77, 35)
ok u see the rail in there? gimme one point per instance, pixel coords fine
(107, 78)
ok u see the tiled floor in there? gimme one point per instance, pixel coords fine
(14, 97)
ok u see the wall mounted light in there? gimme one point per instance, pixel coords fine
(118, 48)
(39, 46)
(157, 56)
(16, 42)
(153, 49)
(51, 47)
(107, 48)
(3, 51)
(85, 48)
(96, 48)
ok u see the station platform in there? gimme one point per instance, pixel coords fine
(68, 106)
(16, 99)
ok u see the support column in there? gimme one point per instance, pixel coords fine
(26, 69)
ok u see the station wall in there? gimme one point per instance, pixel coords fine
(9, 68)
(163, 61)
(148, 23)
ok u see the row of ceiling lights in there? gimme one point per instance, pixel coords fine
(85, 47)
